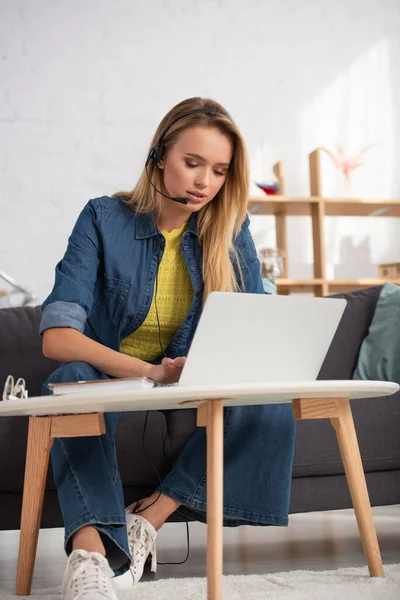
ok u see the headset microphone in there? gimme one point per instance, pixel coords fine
(180, 200)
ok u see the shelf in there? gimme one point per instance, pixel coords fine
(272, 205)
(357, 207)
(298, 285)
(334, 207)
(292, 282)
(359, 283)
(317, 207)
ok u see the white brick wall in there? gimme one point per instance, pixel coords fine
(85, 82)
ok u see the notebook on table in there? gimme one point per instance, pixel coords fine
(117, 384)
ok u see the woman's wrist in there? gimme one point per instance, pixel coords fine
(124, 365)
(145, 369)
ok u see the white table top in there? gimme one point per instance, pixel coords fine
(188, 397)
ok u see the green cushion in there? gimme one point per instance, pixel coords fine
(269, 285)
(379, 357)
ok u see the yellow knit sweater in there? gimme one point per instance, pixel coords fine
(174, 297)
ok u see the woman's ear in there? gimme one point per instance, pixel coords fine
(161, 163)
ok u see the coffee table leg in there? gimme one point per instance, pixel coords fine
(349, 449)
(210, 414)
(37, 463)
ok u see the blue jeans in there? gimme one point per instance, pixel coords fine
(258, 458)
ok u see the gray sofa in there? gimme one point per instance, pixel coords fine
(318, 478)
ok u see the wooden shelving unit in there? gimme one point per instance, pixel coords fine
(318, 207)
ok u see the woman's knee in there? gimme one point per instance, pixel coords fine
(71, 372)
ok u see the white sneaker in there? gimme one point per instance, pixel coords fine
(142, 542)
(88, 576)
(124, 582)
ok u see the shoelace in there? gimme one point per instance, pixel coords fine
(139, 533)
(91, 577)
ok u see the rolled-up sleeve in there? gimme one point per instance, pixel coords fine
(71, 299)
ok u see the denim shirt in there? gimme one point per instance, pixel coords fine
(104, 283)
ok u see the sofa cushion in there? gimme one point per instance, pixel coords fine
(342, 356)
(21, 348)
(379, 357)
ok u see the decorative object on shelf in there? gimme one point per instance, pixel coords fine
(389, 271)
(6, 297)
(271, 189)
(271, 260)
(347, 164)
(264, 173)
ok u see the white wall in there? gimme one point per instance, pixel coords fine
(84, 83)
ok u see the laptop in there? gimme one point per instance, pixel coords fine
(247, 338)
(260, 338)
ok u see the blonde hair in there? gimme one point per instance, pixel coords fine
(218, 222)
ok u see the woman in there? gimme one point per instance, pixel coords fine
(126, 302)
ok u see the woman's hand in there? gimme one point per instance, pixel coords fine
(168, 371)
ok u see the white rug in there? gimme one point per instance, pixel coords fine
(343, 584)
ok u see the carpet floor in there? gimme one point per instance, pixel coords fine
(342, 584)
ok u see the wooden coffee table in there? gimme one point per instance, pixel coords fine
(82, 415)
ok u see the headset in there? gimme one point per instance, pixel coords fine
(137, 509)
(156, 152)
(155, 155)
